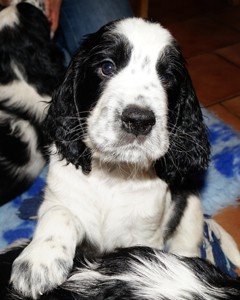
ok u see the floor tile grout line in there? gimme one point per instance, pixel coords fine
(212, 51)
(227, 25)
(230, 45)
(230, 111)
(220, 101)
(230, 98)
(226, 59)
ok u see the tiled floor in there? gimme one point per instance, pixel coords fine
(208, 32)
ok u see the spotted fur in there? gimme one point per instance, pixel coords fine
(126, 132)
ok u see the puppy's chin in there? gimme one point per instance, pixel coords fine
(125, 170)
(130, 150)
(130, 155)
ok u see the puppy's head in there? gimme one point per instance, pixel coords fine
(127, 98)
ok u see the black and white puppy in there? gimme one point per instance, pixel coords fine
(126, 131)
(31, 66)
(132, 273)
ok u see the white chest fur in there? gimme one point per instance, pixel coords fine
(112, 208)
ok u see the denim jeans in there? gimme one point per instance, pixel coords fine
(81, 17)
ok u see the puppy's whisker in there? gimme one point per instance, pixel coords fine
(186, 136)
(77, 128)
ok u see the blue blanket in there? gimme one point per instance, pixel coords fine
(219, 187)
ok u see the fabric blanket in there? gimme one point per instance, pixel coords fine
(219, 187)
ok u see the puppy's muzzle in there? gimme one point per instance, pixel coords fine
(137, 121)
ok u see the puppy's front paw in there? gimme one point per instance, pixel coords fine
(40, 269)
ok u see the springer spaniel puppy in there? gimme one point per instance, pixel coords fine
(139, 273)
(31, 66)
(126, 131)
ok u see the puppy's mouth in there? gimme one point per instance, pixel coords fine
(131, 139)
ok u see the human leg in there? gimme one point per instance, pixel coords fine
(81, 17)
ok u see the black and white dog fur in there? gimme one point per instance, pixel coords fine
(139, 273)
(126, 130)
(31, 66)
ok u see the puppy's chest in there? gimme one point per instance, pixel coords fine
(116, 211)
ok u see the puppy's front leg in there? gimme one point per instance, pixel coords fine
(47, 260)
(188, 235)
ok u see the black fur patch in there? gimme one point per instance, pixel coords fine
(189, 146)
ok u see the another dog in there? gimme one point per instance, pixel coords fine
(31, 66)
(133, 273)
(126, 131)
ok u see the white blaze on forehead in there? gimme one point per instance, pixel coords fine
(148, 41)
(140, 77)
(143, 34)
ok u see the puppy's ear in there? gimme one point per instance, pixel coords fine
(189, 148)
(66, 119)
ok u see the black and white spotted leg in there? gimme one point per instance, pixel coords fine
(47, 261)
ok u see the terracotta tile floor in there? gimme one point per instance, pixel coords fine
(208, 32)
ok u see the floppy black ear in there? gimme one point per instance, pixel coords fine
(189, 148)
(73, 101)
(66, 119)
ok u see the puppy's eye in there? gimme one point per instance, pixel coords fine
(166, 78)
(108, 69)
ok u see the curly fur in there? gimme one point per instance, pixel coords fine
(31, 66)
(126, 131)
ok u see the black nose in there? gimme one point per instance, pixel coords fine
(138, 121)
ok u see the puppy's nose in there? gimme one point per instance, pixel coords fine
(138, 121)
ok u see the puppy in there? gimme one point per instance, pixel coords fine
(126, 131)
(133, 273)
(31, 66)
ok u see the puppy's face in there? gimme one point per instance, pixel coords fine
(129, 120)
(127, 97)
